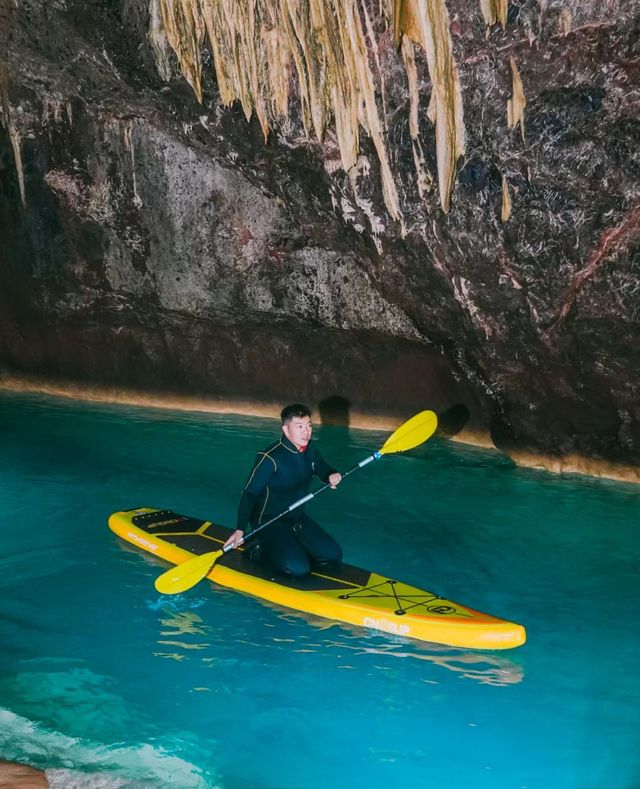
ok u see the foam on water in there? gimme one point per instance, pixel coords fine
(108, 766)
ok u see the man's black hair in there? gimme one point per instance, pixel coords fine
(289, 412)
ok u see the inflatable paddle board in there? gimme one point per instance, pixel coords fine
(349, 594)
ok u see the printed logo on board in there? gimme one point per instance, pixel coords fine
(152, 546)
(444, 610)
(387, 626)
(168, 523)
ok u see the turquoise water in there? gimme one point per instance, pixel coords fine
(105, 683)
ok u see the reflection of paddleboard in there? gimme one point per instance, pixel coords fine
(349, 595)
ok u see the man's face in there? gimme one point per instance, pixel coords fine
(298, 430)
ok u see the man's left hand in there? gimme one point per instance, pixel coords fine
(334, 479)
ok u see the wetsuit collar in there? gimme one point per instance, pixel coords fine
(290, 445)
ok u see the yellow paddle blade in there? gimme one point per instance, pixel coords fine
(412, 433)
(184, 576)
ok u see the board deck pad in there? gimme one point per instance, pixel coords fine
(346, 593)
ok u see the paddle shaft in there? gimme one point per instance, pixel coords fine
(304, 500)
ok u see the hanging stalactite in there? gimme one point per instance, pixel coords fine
(257, 46)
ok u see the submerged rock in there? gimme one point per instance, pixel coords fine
(154, 242)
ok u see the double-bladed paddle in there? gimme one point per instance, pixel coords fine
(412, 433)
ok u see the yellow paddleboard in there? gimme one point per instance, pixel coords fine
(349, 595)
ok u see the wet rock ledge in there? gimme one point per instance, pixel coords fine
(19, 776)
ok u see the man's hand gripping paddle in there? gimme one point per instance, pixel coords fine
(411, 434)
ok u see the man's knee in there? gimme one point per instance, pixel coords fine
(291, 563)
(319, 544)
(291, 567)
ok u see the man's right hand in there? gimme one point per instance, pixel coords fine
(235, 540)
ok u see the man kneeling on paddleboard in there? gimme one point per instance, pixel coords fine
(294, 544)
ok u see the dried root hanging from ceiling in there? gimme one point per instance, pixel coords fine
(6, 120)
(517, 102)
(505, 213)
(7, 23)
(328, 46)
(495, 11)
(427, 22)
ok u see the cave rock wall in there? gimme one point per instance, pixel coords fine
(161, 233)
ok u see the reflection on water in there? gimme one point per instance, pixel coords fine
(182, 645)
(170, 655)
(183, 623)
(485, 668)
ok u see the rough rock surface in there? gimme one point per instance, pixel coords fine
(19, 776)
(154, 242)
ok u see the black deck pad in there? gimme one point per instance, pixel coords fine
(168, 522)
(181, 530)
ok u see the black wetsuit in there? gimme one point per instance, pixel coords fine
(294, 544)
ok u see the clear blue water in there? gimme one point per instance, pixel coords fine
(105, 683)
